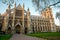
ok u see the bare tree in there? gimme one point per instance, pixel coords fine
(41, 4)
(8, 2)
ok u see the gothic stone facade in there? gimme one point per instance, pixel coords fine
(18, 20)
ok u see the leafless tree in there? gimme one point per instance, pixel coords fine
(41, 4)
(8, 2)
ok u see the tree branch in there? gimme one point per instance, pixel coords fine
(55, 4)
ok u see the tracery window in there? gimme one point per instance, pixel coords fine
(18, 12)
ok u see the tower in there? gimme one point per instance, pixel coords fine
(49, 15)
(28, 20)
(13, 18)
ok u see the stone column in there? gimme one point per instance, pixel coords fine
(13, 28)
(28, 21)
(37, 27)
(23, 28)
(42, 29)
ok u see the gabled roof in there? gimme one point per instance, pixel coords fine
(18, 7)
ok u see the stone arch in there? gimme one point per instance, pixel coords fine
(26, 30)
(41, 28)
(0, 26)
(33, 29)
(9, 30)
(18, 28)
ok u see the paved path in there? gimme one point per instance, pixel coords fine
(24, 37)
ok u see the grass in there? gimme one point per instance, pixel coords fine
(5, 36)
(47, 35)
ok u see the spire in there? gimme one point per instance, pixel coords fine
(28, 9)
(15, 5)
(8, 10)
(19, 7)
(23, 5)
(9, 6)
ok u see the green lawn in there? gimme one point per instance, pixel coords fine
(47, 35)
(5, 36)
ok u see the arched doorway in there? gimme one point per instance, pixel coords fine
(0, 26)
(33, 29)
(18, 29)
(9, 30)
(25, 30)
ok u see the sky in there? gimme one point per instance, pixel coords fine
(28, 4)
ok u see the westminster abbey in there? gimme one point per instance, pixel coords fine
(19, 20)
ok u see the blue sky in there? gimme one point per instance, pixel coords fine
(28, 4)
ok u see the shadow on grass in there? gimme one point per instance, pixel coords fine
(5, 36)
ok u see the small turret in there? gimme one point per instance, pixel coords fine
(9, 7)
(15, 5)
(28, 9)
(23, 5)
(28, 20)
